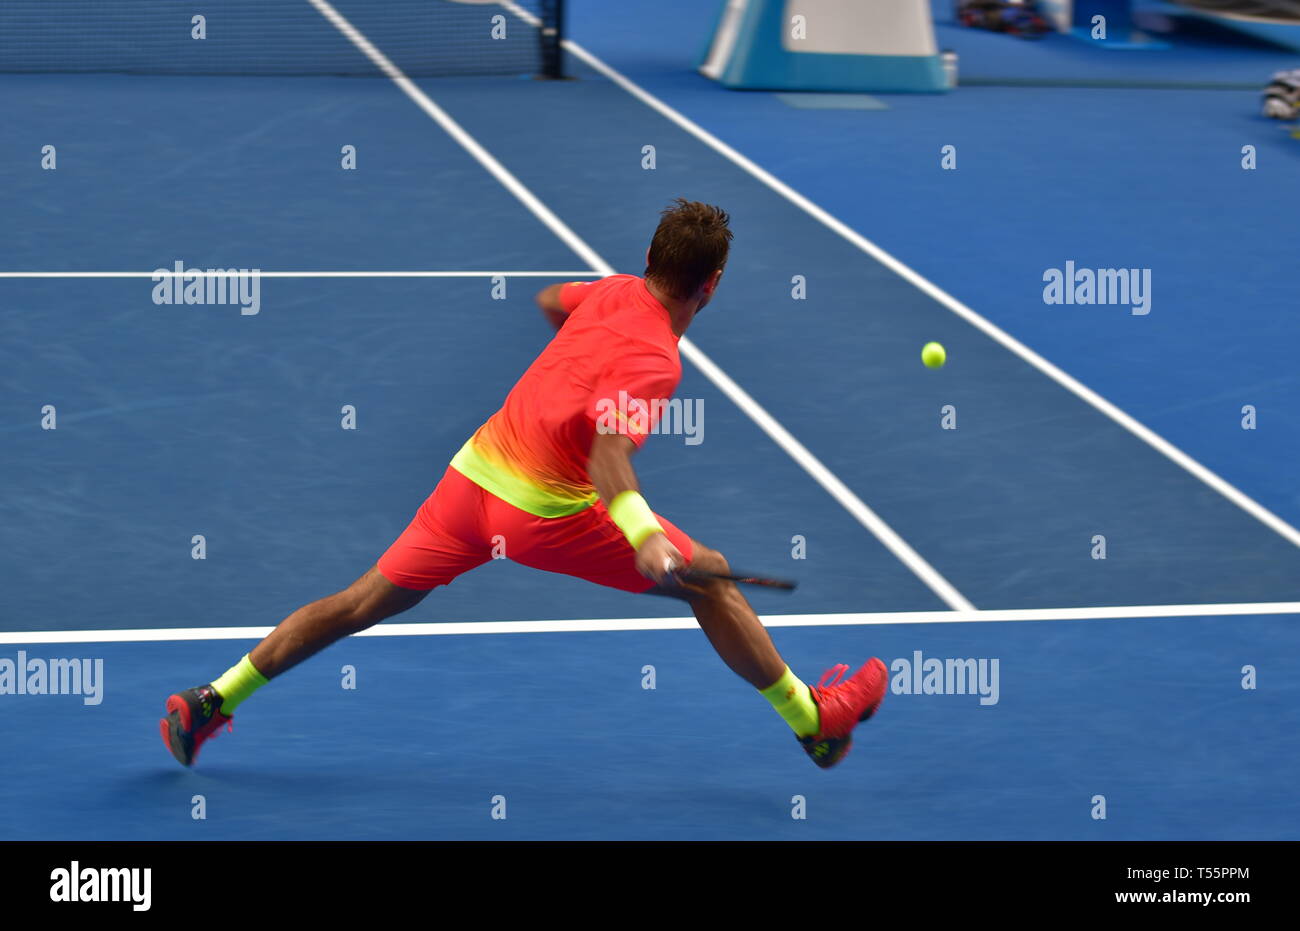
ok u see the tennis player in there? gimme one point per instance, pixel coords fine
(551, 475)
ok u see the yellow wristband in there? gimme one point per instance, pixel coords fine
(634, 517)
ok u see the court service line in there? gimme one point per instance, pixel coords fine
(601, 625)
(1138, 429)
(226, 273)
(782, 437)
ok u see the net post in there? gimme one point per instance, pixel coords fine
(551, 35)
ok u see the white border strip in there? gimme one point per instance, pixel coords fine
(838, 490)
(437, 628)
(1233, 494)
(226, 273)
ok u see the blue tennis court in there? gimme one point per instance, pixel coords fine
(956, 515)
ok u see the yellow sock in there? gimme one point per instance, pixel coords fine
(792, 701)
(237, 683)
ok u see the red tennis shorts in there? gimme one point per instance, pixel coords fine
(461, 526)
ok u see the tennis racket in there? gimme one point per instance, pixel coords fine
(696, 575)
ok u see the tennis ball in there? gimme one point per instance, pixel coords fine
(933, 355)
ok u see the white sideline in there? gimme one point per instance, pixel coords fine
(1142, 432)
(451, 628)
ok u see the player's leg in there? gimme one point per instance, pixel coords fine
(730, 623)
(822, 717)
(743, 643)
(195, 714)
(440, 543)
(589, 545)
(310, 629)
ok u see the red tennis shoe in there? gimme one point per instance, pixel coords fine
(193, 716)
(841, 704)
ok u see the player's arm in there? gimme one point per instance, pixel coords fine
(553, 309)
(610, 469)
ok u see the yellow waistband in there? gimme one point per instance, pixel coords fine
(512, 489)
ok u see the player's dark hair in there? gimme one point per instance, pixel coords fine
(690, 244)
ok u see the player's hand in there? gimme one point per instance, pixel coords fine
(657, 558)
(555, 317)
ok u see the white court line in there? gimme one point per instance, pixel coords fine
(526, 15)
(226, 273)
(828, 480)
(438, 628)
(813, 466)
(464, 139)
(1144, 433)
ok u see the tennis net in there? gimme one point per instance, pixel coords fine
(423, 38)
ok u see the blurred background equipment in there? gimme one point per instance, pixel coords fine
(1127, 22)
(1282, 96)
(825, 45)
(1272, 20)
(1015, 17)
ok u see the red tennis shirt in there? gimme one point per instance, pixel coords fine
(612, 367)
